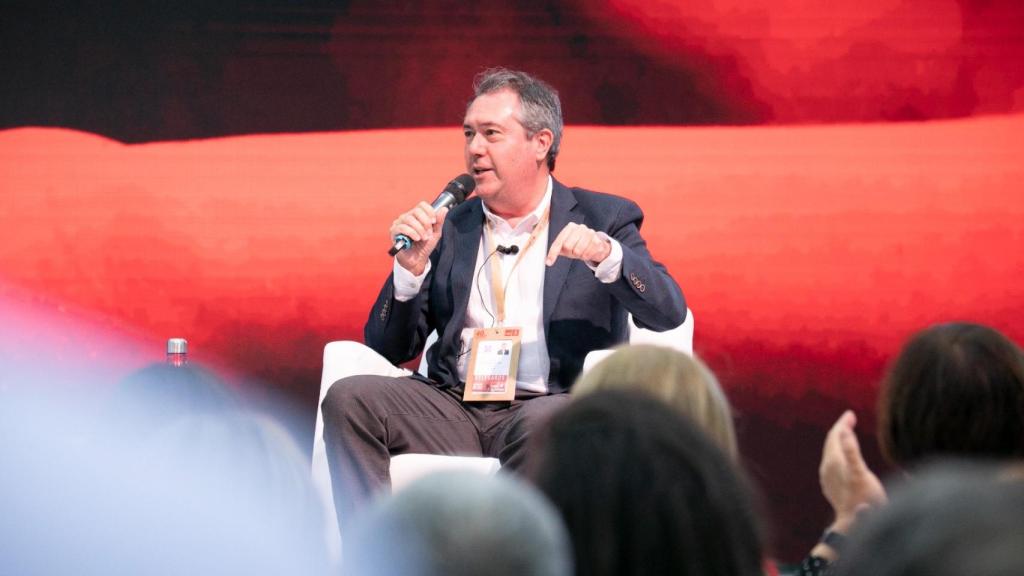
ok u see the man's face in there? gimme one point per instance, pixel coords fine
(502, 159)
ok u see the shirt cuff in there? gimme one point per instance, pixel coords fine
(408, 286)
(610, 269)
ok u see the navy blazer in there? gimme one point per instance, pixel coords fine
(580, 312)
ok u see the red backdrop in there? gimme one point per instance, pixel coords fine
(807, 254)
(872, 189)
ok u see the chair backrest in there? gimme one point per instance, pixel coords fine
(680, 337)
(407, 468)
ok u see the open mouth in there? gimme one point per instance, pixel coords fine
(479, 171)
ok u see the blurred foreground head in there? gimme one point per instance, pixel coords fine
(954, 390)
(460, 524)
(949, 520)
(170, 478)
(160, 394)
(644, 491)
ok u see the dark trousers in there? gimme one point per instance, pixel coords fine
(367, 419)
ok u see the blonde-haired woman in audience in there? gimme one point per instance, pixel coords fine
(680, 380)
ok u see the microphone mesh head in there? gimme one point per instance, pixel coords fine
(460, 187)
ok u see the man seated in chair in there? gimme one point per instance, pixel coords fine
(520, 283)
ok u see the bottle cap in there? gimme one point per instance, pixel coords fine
(177, 346)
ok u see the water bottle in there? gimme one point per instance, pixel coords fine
(177, 351)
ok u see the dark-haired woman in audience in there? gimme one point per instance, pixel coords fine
(956, 390)
(644, 491)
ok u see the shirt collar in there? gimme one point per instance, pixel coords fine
(526, 223)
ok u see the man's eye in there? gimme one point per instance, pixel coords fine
(467, 133)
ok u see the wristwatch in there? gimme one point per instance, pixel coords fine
(834, 540)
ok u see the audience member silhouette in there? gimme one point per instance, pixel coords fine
(644, 491)
(680, 380)
(955, 391)
(949, 520)
(158, 395)
(164, 481)
(460, 523)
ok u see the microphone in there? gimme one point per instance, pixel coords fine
(452, 195)
(513, 249)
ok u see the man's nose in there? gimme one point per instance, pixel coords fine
(475, 146)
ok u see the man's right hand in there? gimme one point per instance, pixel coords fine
(423, 226)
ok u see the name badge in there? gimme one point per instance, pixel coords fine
(493, 360)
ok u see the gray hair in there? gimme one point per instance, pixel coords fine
(952, 518)
(460, 524)
(540, 105)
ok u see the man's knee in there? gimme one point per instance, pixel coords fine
(535, 413)
(541, 409)
(353, 394)
(531, 417)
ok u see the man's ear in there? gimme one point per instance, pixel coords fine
(543, 140)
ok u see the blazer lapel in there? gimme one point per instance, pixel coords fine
(467, 229)
(563, 204)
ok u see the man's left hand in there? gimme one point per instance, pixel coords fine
(579, 242)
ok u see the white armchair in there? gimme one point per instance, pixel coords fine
(344, 358)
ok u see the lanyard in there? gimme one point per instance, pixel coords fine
(497, 285)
